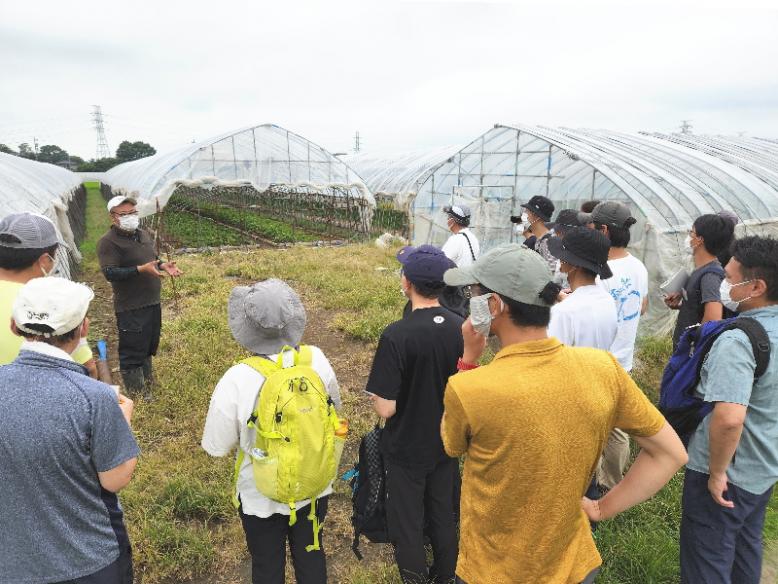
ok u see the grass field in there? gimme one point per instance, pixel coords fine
(177, 506)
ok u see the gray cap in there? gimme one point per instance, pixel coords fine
(458, 211)
(610, 213)
(266, 316)
(511, 270)
(27, 231)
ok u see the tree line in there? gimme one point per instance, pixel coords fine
(54, 154)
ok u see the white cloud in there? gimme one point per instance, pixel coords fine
(405, 74)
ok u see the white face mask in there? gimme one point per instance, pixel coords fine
(480, 315)
(726, 299)
(53, 267)
(129, 222)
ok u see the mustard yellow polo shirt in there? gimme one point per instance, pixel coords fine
(532, 425)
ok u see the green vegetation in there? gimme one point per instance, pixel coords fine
(177, 507)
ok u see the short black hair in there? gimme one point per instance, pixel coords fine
(589, 206)
(18, 259)
(618, 236)
(758, 257)
(431, 291)
(45, 329)
(530, 315)
(716, 232)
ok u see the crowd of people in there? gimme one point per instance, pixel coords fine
(543, 428)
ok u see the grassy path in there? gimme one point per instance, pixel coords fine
(177, 506)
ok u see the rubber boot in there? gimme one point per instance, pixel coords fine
(148, 377)
(134, 381)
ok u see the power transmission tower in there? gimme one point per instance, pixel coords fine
(686, 127)
(357, 142)
(35, 146)
(102, 143)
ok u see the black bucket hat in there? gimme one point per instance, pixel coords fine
(541, 206)
(585, 248)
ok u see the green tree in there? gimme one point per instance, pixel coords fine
(98, 165)
(133, 150)
(25, 151)
(6, 149)
(53, 154)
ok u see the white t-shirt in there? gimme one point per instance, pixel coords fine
(586, 318)
(628, 287)
(457, 250)
(231, 406)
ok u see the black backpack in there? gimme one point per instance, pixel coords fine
(368, 492)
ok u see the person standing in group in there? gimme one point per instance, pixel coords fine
(587, 316)
(628, 286)
(733, 455)
(28, 247)
(413, 361)
(531, 450)
(266, 318)
(535, 214)
(67, 449)
(462, 246)
(130, 263)
(700, 302)
(732, 217)
(566, 220)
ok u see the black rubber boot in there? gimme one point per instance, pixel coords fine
(134, 381)
(148, 377)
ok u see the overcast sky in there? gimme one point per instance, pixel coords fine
(407, 75)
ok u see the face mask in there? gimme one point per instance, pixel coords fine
(52, 270)
(480, 315)
(726, 299)
(129, 222)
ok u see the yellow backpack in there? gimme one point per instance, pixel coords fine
(296, 452)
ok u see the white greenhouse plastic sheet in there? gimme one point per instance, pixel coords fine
(258, 155)
(35, 187)
(667, 181)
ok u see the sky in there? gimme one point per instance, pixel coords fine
(406, 75)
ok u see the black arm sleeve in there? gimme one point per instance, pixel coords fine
(115, 274)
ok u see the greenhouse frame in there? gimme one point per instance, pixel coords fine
(27, 186)
(667, 180)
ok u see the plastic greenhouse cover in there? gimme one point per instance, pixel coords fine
(667, 180)
(36, 187)
(258, 155)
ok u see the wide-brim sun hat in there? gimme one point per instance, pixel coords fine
(266, 316)
(584, 248)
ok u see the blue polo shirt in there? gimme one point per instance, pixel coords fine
(728, 376)
(58, 429)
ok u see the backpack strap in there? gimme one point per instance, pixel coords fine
(472, 254)
(757, 336)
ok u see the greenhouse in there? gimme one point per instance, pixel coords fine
(36, 187)
(667, 180)
(258, 183)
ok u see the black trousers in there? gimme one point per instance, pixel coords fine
(139, 332)
(266, 540)
(413, 497)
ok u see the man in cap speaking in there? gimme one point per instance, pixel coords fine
(129, 262)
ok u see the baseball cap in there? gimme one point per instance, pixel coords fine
(511, 270)
(425, 264)
(118, 200)
(32, 231)
(583, 247)
(266, 316)
(541, 206)
(458, 211)
(58, 303)
(610, 213)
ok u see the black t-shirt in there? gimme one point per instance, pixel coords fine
(414, 359)
(702, 287)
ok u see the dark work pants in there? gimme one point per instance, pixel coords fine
(720, 545)
(413, 496)
(266, 539)
(139, 332)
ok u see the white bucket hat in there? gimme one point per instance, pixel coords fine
(266, 316)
